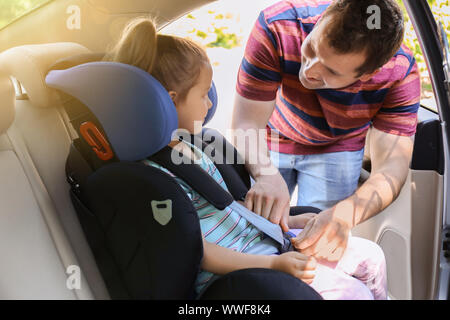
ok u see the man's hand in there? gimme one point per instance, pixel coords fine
(324, 236)
(300, 221)
(269, 197)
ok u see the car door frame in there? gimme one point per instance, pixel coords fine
(426, 29)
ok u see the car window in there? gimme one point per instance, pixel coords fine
(441, 12)
(11, 10)
(446, 52)
(222, 27)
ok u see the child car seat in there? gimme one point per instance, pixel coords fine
(140, 224)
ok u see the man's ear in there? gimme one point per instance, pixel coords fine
(173, 95)
(368, 76)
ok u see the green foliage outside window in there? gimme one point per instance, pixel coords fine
(217, 32)
(441, 12)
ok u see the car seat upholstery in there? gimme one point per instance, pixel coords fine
(40, 236)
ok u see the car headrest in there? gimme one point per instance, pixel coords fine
(30, 63)
(134, 109)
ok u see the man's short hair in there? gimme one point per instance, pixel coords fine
(349, 30)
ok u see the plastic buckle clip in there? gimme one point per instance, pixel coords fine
(96, 140)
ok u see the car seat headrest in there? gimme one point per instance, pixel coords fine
(30, 63)
(212, 94)
(134, 109)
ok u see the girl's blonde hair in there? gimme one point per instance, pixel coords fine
(175, 62)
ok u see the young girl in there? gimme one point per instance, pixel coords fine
(230, 242)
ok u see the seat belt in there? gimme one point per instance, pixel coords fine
(215, 194)
(271, 229)
(215, 146)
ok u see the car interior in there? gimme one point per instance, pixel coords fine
(40, 233)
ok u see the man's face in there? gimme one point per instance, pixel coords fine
(322, 67)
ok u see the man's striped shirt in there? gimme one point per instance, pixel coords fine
(324, 120)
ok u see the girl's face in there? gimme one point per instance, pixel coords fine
(196, 104)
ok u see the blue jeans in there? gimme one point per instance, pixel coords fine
(322, 179)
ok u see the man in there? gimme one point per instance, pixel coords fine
(316, 76)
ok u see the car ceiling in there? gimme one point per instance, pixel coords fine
(100, 21)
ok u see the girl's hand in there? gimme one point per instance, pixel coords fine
(297, 265)
(300, 221)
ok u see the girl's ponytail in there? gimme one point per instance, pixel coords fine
(137, 45)
(179, 60)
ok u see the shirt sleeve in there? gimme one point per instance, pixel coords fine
(398, 114)
(259, 74)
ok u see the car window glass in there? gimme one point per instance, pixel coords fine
(11, 10)
(446, 52)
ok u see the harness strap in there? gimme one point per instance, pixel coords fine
(206, 186)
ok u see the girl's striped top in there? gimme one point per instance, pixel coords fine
(225, 228)
(325, 120)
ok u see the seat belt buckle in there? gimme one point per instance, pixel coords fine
(289, 235)
(287, 245)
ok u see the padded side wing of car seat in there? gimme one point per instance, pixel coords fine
(156, 254)
(259, 284)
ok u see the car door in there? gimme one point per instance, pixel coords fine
(412, 229)
(444, 249)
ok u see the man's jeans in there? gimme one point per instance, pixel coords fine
(322, 179)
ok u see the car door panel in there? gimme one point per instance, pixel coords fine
(406, 229)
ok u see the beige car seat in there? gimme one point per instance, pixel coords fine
(40, 236)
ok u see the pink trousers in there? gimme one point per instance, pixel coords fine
(359, 275)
